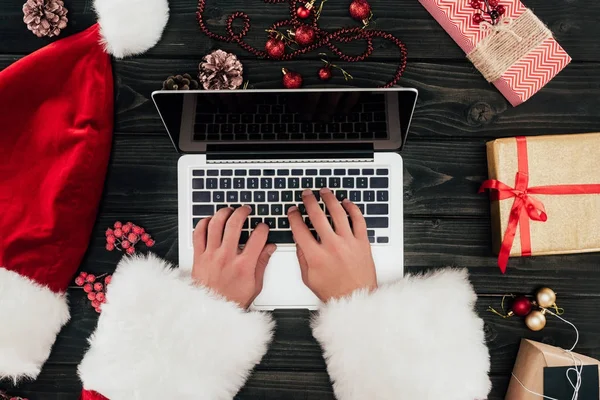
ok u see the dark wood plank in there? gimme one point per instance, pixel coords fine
(455, 101)
(406, 19)
(261, 385)
(441, 178)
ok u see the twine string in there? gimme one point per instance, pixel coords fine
(577, 365)
(504, 25)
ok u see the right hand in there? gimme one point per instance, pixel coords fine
(342, 262)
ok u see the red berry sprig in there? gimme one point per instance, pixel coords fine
(5, 396)
(491, 8)
(124, 237)
(95, 287)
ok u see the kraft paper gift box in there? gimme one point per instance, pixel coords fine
(541, 368)
(518, 54)
(559, 180)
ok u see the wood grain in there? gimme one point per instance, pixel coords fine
(454, 100)
(440, 178)
(406, 19)
(447, 223)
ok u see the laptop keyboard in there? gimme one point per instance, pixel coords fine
(272, 119)
(271, 192)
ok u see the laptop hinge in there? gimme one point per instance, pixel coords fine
(297, 152)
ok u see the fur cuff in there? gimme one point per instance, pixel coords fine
(31, 315)
(417, 338)
(162, 337)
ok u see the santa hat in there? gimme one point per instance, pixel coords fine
(55, 137)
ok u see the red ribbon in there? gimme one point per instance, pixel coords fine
(525, 206)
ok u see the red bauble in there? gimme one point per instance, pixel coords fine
(493, 3)
(325, 73)
(477, 19)
(291, 79)
(303, 12)
(275, 48)
(521, 306)
(501, 9)
(360, 10)
(304, 35)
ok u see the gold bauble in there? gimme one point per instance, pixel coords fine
(535, 320)
(545, 297)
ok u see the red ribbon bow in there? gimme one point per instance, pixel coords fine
(525, 206)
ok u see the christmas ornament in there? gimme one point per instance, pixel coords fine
(95, 288)
(535, 320)
(275, 48)
(522, 306)
(360, 10)
(45, 17)
(124, 237)
(545, 297)
(291, 79)
(491, 8)
(304, 35)
(325, 72)
(305, 10)
(322, 38)
(180, 82)
(220, 70)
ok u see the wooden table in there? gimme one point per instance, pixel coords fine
(446, 222)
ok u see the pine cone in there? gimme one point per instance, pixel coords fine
(221, 70)
(180, 82)
(45, 17)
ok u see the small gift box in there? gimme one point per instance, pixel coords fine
(546, 370)
(545, 195)
(515, 50)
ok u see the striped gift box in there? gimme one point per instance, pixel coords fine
(524, 77)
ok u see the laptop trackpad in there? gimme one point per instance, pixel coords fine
(283, 286)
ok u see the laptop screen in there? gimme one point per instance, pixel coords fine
(198, 119)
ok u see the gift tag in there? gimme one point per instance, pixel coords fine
(557, 385)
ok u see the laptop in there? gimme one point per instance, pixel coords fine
(264, 147)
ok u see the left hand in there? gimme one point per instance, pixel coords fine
(219, 263)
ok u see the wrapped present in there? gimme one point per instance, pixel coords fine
(515, 50)
(545, 195)
(542, 369)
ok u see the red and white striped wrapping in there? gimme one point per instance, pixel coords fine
(525, 77)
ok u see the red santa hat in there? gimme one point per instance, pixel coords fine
(56, 124)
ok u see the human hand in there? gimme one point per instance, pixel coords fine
(342, 262)
(219, 263)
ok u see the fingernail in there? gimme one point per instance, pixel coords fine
(292, 208)
(307, 192)
(346, 201)
(325, 190)
(248, 207)
(271, 249)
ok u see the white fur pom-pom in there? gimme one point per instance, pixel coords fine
(130, 27)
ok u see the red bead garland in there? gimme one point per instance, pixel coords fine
(322, 38)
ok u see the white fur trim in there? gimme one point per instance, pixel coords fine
(414, 339)
(162, 337)
(31, 315)
(130, 27)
